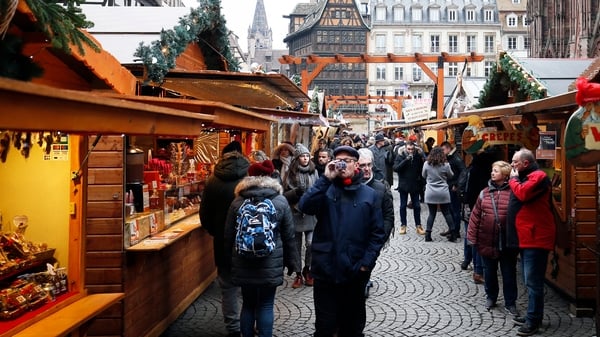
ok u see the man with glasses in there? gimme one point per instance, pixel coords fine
(531, 228)
(346, 243)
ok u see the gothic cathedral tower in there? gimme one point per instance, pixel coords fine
(259, 35)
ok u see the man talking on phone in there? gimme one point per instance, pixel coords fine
(346, 242)
(530, 217)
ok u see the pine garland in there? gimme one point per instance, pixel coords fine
(204, 25)
(62, 24)
(510, 76)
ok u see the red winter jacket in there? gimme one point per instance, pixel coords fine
(487, 234)
(530, 211)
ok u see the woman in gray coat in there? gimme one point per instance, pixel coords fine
(436, 172)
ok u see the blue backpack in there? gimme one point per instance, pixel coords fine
(256, 219)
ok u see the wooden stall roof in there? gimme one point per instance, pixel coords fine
(224, 115)
(89, 71)
(34, 107)
(563, 103)
(238, 89)
(291, 116)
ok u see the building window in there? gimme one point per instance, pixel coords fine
(469, 71)
(470, 17)
(489, 44)
(418, 95)
(433, 67)
(398, 73)
(380, 44)
(417, 74)
(398, 14)
(434, 14)
(453, 43)
(452, 15)
(526, 43)
(488, 15)
(398, 43)
(488, 68)
(516, 2)
(511, 20)
(435, 43)
(512, 42)
(452, 69)
(471, 43)
(268, 58)
(380, 75)
(380, 13)
(398, 92)
(525, 21)
(417, 43)
(417, 14)
(380, 92)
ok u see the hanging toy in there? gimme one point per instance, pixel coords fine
(26, 145)
(4, 145)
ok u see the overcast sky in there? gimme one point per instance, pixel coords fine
(240, 13)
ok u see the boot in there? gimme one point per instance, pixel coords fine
(297, 281)
(452, 237)
(428, 236)
(308, 280)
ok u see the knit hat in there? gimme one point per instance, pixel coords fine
(300, 149)
(379, 137)
(233, 146)
(264, 168)
(348, 149)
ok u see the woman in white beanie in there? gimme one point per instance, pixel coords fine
(301, 175)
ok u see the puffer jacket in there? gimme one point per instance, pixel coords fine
(487, 234)
(217, 196)
(349, 232)
(268, 270)
(530, 213)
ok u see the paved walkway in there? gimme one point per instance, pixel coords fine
(418, 290)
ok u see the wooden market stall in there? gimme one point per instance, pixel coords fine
(84, 114)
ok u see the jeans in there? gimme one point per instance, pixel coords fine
(414, 197)
(230, 304)
(534, 261)
(508, 268)
(307, 252)
(455, 205)
(257, 307)
(340, 307)
(470, 254)
(445, 211)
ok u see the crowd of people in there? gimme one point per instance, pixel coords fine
(335, 212)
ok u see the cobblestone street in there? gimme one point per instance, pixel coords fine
(418, 290)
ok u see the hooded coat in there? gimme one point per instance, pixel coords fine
(217, 196)
(268, 270)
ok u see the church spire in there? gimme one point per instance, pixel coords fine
(260, 35)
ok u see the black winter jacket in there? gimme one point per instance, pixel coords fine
(217, 196)
(268, 270)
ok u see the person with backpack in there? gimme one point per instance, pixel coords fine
(301, 176)
(346, 243)
(487, 233)
(259, 243)
(216, 198)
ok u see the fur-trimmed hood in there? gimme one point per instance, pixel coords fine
(258, 186)
(281, 146)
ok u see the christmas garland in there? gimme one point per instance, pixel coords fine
(60, 24)
(204, 25)
(509, 77)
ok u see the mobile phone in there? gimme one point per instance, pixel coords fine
(340, 165)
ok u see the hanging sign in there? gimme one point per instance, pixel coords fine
(547, 148)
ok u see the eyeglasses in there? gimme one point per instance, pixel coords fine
(347, 160)
(365, 165)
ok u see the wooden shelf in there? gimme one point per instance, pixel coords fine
(165, 238)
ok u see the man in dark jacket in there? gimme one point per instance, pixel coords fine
(216, 198)
(380, 153)
(346, 243)
(409, 165)
(458, 166)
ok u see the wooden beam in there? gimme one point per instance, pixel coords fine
(388, 58)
